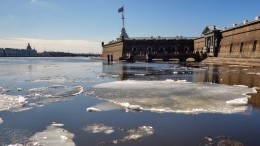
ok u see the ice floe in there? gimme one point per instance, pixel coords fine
(1, 121)
(55, 91)
(56, 80)
(53, 135)
(134, 134)
(220, 141)
(93, 109)
(104, 106)
(3, 91)
(17, 144)
(238, 101)
(174, 96)
(11, 102)
(99, 128)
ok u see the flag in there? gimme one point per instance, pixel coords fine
(121, 9)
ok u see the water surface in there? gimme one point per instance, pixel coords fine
(135, 103)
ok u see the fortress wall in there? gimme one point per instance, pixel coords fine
(241, 42)
(114, 49)
(199, 44)
(157, 46)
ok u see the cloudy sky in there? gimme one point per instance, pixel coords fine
(79, 26)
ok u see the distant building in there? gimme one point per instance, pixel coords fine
(209, 42)
(239, 41)
(125, 47)
(1, 52)
(139, 48)
(11, 52)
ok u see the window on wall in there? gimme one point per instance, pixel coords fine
(254, 46)
(230, 49)
(134, 50)
(149, 49)
(241, 47)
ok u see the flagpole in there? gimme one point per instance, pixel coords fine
(123, 18)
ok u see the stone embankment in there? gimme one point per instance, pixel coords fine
(233, 61)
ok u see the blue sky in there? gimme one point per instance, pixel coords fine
(81, 25)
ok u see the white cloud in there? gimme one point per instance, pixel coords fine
(35, 1)
(40, 2)
(74, 46)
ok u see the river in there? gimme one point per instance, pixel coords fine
(83, 101)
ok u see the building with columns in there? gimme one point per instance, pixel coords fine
(239, 41)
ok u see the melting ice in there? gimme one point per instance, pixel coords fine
(1, 121)
(175, 96)
(50, 94)
(134, 134)
(99, 128)
(55, 91)
(104, 106)
(10, 102)
(53, 135)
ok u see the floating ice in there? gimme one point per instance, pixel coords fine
(53, 135)
(238, 102)
(137, 133)
(55, 91)
(58, 79)
(57, 124)
(174, 96)
(1, 121)
(133, 135)
(99, 128)
(104, 106)
(3, 91)
(92, 109)
(129, 106)
(139, 74)
(220, 141)
(17, 144)
(10, 102)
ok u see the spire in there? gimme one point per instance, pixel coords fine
(29, 47)
(123, 33)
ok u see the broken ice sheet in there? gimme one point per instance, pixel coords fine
(220, 141)
(3, 91)
(58, 80)
(49, 79)
(55, 91)
(133, 135)
(99, 128)
(10, 102)
(174, 96)
(53, 135)
(1, 121)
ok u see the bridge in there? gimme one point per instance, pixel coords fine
(182, 57)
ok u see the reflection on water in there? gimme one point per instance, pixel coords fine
(255, 99)
(57, 83)
(224, 74)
